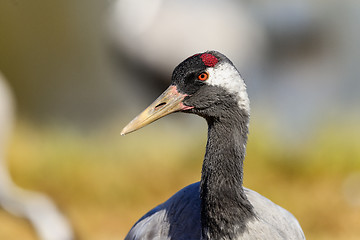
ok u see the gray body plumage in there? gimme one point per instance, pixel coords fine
(179, 219)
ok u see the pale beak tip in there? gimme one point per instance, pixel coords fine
(123, 132)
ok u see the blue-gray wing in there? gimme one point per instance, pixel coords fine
(177, 218)
(271, 221)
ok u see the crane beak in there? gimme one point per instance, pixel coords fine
(168, 102)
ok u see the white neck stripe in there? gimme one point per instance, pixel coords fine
(225, 75)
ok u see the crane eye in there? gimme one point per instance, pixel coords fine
(203, 76)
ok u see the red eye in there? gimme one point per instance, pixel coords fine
(203, 76)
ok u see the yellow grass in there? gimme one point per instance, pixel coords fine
(104, 182)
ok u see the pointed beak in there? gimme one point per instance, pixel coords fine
(168, 102)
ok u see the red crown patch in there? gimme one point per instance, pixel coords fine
(209, 60)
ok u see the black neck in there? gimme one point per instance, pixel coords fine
(225, 208)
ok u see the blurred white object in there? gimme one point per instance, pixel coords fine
(48, 222)
(159, 34)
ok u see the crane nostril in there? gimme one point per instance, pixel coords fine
(160, 105)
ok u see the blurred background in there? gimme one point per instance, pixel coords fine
(77, 71)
